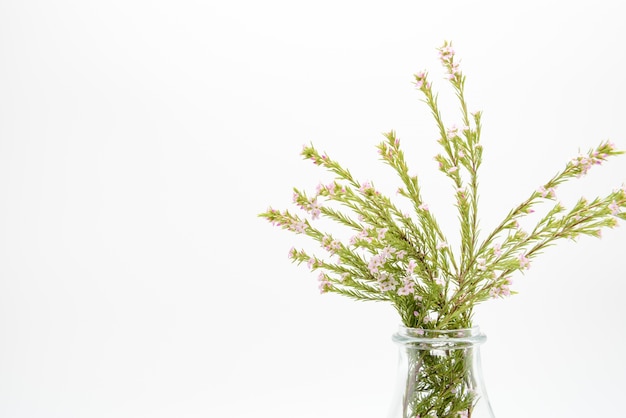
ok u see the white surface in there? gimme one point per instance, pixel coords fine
(138, 141)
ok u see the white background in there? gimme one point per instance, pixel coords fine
(139, 139)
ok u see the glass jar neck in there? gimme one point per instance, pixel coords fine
(465, 337)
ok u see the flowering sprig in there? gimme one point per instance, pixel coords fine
(405, 259)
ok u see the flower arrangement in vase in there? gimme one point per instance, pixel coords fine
(406, 260)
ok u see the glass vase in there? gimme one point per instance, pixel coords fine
(439, 375)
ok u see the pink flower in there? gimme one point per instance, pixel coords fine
(382, 232)
(365, 187)
(501, 291)
(386, 252)
(481, 264)
(315, 209)
(374, 263)
(542, 190)
(410, 268)
(446, 51)
(324, 284)
(407, 289)
(452, 131)
(299, 227)
(423, 207)
(524, 262)
(550, 193)
(378, 260)
(292, 253)
(614, 208)
(497, 249)
(420, 78)
(386, 283)
(442, 245)
(439, 160)
(585, 163)
(408, 286)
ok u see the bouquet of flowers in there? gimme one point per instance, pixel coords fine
(405, 259)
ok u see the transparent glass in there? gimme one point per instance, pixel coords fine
(439, 375)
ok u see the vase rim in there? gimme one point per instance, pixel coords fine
(471, 335)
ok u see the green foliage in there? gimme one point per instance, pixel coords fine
(405, 259)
